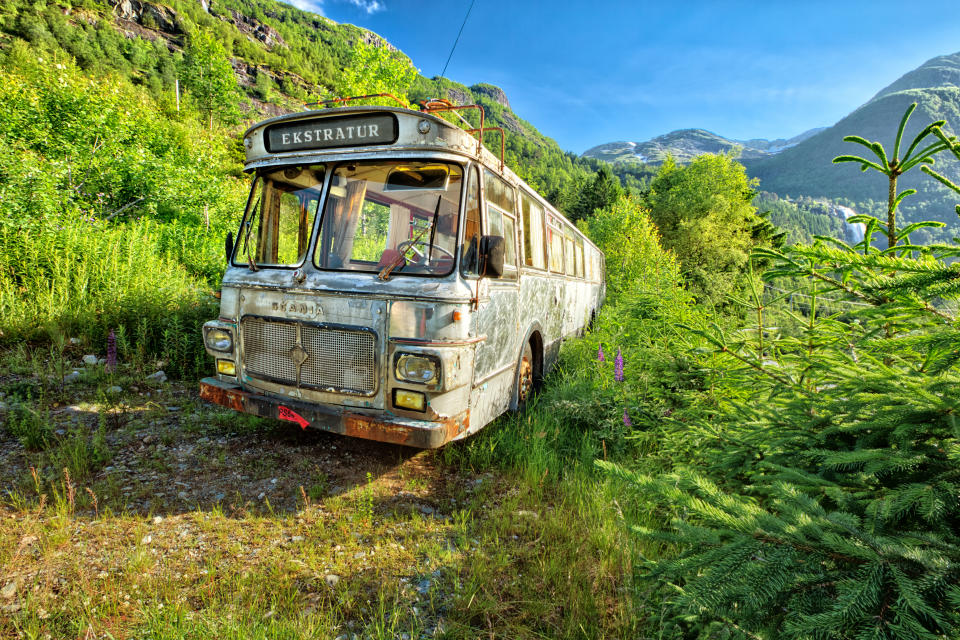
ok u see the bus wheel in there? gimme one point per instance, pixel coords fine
(525, 379)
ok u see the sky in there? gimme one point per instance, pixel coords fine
(586, 73)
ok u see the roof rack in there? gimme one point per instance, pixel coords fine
(352, 98)
(437, 105)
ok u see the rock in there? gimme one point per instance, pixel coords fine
(183, 495)
(528, 514)
(218, 497)
(492, 92)
(261, 496)
(426, 509)
(71, 377)
(331, 579)
(157, 519)
(159, 376)
(296, 539)
(114, 390)
(9, 591)
(273, 481)
(146, 539)
(147, 14)
(256, 30)
(148, 439)
(74, 412)
(26, 541)
(359, 555)
(90, 360)
(74, 341)
(371, 39)
(459, 96)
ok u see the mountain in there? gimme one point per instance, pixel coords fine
(806, 169)
(686, 144)
(802, 166)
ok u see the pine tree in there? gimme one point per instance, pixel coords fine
(829, 505)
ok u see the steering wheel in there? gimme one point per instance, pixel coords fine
(420, 256)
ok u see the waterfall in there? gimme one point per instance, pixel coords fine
(854, 230)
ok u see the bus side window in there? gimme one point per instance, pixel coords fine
(580, 257)
(532, 233)
(470, 249)
(501, 224)
(569, 259)
(501, 209)
(556, 247)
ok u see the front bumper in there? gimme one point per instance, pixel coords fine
(345, 421)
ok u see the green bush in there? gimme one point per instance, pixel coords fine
(821, 500)
(102, 225)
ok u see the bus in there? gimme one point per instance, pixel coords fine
(391, 278)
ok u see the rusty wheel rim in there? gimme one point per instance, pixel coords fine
(526, 379)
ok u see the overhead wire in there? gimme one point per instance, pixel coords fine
(459, 33)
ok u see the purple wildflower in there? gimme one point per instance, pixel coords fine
(600, 357)
(618, 367)
(626, 418)
(111, 351)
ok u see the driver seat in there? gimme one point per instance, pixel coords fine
(390, 256)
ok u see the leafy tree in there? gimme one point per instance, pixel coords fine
(705, 216)
(375, 70)
(631, 246)
(209, 77)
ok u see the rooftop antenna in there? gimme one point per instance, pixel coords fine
(459, 33)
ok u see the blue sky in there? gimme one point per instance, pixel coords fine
(585, 73)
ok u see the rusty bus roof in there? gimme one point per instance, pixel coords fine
(443, 137)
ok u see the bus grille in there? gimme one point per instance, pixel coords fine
(337, 359)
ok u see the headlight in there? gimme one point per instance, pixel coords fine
(417, 368)
(226, 367)
(219, 340)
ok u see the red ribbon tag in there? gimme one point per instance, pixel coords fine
(289, 414)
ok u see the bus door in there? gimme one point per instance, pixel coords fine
(497, 312)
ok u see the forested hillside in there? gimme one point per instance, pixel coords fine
(283, 58)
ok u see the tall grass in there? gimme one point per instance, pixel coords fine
(84, 280)
(112, 213)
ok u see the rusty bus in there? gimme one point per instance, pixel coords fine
(392, 279)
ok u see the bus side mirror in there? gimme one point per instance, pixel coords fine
(492, 251)
(229, 245)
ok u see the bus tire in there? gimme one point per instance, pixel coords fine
(526, 377)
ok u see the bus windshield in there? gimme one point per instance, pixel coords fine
(276, 228)
(396, 217)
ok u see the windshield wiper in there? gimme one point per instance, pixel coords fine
(246, 239)
(433, 229)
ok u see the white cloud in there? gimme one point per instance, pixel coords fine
(315, 6)
(370, 6)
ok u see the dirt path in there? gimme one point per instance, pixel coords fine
(164, 451)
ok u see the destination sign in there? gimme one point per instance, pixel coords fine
(329, 133)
